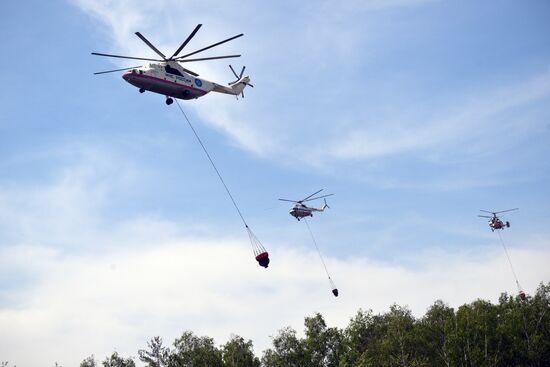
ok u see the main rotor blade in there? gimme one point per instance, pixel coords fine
(112, 71)
(209, 47)
(486, 211)
(125, 57)
(292, 201)
(508, 210)
(186, 41)
(318, 197)
(150, 45)
(484, 216)
(242, 72)
(209, 58)
(315, 193)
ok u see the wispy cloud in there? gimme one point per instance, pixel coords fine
(68, 207)
(217, 289)
(306, 133)
(141, 276)
(466, 123)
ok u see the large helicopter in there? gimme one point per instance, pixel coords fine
(494, 221)
(300, 210)
(167, 77)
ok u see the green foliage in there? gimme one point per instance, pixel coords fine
(239, 353)
(117, 361)
(510, 333)
(157, 355)
(433, 332)
(288, 350)
(361, 331)
(513, 332)
(395, 341)
(88, 362)
(193, 351)
(323, 346)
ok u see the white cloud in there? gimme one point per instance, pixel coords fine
(72, 284)
(464, 125)
(66, 209)
(117, 286)
(271, 134)
(119, 299)
(284, 119)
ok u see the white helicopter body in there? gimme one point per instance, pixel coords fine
(494, 221)
(171, 80)
(167, 77)
(301, 210)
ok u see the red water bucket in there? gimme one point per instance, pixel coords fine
(263, 259)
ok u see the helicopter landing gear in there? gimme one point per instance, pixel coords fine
(141, 90)
(169, 101)
(508, 224)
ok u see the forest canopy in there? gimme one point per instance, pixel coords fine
(512, 332)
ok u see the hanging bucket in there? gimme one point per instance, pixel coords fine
(522, 295)
(263, 259)
(261, 254)
(335, 292)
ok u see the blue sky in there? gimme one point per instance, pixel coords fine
(415, 113)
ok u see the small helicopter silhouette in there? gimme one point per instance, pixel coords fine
(494, 221)
(300, 210)
(167, 77)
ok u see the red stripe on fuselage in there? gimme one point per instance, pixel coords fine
(136, 75)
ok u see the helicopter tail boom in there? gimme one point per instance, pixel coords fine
(235, 88)
(240, 84)
(325, 206)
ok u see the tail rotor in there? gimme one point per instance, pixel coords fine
(240, 78)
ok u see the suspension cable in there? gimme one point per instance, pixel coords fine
(509, 261)
(319, 252)
(212, 163)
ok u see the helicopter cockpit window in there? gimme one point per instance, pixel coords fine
(171, 70)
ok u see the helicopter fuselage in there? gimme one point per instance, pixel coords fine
(494, 221)
(171, 80)
(497, 223)
(168, 85)
(301, 211)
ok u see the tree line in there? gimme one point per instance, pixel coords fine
(512, 332)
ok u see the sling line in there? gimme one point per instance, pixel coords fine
(509, 261)
(259, 251)
(334, 289)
